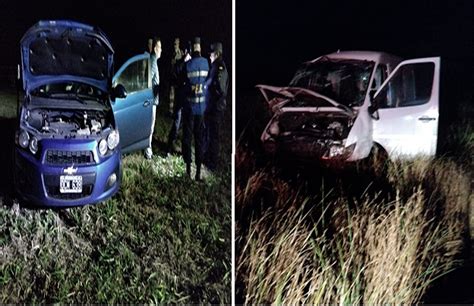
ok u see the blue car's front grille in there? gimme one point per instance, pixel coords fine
(51, 183)
(58, 157)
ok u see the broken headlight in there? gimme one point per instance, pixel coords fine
(274, 129)
(340, 151)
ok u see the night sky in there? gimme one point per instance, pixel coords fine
(128, 24)
(273, 38)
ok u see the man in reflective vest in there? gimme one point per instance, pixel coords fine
(197, 69)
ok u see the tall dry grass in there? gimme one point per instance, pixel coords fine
(295, 246)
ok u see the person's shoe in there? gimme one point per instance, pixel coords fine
(211, 167)
(198, 173)
(173, 148)
(169, 147)
(188, 170)
(148, 153)
(176, 148)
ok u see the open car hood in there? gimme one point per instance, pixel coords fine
(54, 51)
(279, 96)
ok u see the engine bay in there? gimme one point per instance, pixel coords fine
(66, 123)
(323, 126)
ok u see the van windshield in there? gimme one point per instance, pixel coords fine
(343, 80)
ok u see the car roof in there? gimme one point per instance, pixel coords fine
(375, 56)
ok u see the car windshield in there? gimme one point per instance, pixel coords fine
(67, 89)
(306, 101)
(343, 80)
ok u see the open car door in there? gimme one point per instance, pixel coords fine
(407, 104)
(133, 114)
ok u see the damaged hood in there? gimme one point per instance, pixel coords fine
(58, 51)
(277, 97)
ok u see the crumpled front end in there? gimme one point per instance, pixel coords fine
(308, 136)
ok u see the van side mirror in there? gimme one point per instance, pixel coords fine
(372, 94)
(118, 91)
(373, 110)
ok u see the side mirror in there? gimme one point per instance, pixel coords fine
(372, 94)
(118, 91)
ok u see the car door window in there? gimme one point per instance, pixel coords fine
(135, 76)
(380, 76)
(411, 85)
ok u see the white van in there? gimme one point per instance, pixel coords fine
(342, 105)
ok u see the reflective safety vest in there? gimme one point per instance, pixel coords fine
(197, 70)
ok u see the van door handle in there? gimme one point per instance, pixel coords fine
(426, 119)
(146, 103)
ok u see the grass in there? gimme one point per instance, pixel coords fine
(162, 239)
(8, 104)
(351, 236)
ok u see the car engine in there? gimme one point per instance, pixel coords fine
(314, 125)
(308, 135)
(67, 123)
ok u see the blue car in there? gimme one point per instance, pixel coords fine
(76, 118)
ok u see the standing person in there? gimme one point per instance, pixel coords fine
(155, 82)
(149, 45)
(176, 58)
(197, 69)
(180, 79)
(218, 83)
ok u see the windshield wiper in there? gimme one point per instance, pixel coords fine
(88, 97)
(66, 96)
(344, 107)
(41, 94)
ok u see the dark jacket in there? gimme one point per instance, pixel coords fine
(180, 79)
(218, 84)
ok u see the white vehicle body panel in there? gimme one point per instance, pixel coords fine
(411, 130)
(402, 131)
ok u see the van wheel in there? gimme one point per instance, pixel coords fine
(376, 163)
(378, 160)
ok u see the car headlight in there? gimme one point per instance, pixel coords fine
(34, 145)
(113, 140)
(24, 139)
(336, 150)
(102, 147)
(341, 151)
(274, 129)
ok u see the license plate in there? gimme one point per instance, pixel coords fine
(70, 184)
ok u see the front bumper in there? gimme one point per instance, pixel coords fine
(307, 149)
(37, 178)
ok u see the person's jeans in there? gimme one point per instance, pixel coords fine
(193, 125)
(149, 151)
(173, 135)
(213, 128)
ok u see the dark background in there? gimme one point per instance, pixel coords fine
(128, 24)
(274, 38)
